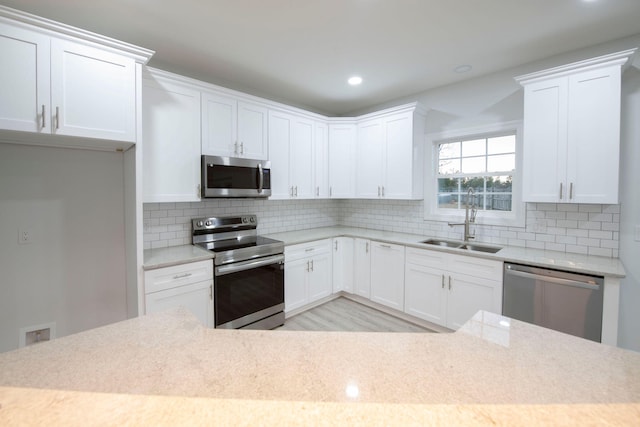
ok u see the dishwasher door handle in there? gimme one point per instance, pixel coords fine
(552, 279)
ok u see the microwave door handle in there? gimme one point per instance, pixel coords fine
(260, 178)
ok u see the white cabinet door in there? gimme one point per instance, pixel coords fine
(93, 92)
(398, 166)
(24, 80)
(279, 143)
(252, 131)
(295, 288)
(219, 125)
(343, 273)
(362, 267)
(369, 159)
(342, 140)
(387, 274)
(301, 161)
(171, 141)
(321, 160)
(545, 150)
(425, 293)
(320, 283)
(467, 295)
(196, 297)
(594, 136)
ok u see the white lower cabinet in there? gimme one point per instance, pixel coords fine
(307, 274)
(362, 267)
(343, 265)
(387, 274)
(448, 289)
(187, 285)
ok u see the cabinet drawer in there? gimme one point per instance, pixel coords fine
(177, 275)
(427, 258)
(303, 250)
(476, 267)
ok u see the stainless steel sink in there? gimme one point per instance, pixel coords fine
(462, 245)
(480, 248)
(445, 243)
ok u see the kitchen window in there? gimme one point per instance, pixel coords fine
(486, 162)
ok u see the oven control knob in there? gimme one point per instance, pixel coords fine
(252, 219)
(245, 220)
(208, 223)
(200, 224)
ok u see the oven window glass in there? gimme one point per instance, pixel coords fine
(246, 292)
(235, 177)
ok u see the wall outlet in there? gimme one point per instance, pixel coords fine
(37, 334)
(25, 236)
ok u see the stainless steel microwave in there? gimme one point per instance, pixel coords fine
(234, 177)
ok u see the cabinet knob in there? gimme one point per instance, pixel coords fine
(43, 115)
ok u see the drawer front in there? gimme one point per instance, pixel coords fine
(309, 249)
(427, 258)
(177, 275)
(476, 267)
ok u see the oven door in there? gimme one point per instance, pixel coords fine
(249, 291)
(232, 177)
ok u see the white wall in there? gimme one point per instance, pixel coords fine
(73, 273)
(629, 332)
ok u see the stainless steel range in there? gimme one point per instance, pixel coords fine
(248, 272)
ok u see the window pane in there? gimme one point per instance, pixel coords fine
(473, 164)
(499, 194)
(501, 163)
(502, 144)
(448, 193)
(475, 147)
(449, 166)
(449, 150)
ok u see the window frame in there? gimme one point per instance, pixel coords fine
(516, 217)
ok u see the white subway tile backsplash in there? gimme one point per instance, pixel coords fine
(573, 228)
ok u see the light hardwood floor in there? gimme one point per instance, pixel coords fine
(342, 314)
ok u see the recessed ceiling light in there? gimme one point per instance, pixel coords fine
(462, 68)
(355, 80)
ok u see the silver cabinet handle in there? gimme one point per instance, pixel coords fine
(571, 191)
(443, 281)
(311, 265)
(291, 191)
(560, 191)
(43, 113)
(367, 247)
(336, 244)
(211, 292)
(317, 191)
(449, 282)
(235, 147)
(310, 249)
(57, 117)
(242, 148)
(378, 191)
(385, 246)
(383, 191)
(307, 266)
(198, 191)
(330, 191)
(296, 191)
(181, 276)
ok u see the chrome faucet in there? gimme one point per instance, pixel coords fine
(468, 219)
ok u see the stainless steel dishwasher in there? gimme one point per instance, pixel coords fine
(560, 300)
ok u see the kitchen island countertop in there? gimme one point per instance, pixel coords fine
(166, 368)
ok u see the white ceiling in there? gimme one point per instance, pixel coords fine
(302, 51)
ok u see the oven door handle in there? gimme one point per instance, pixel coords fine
(248, 265)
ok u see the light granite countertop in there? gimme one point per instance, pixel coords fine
(167, 369)
(588, 264)
(174, 255)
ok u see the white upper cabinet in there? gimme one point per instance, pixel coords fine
(232, 127)
(66, 86)
(171, 139)
(321, 160)
(572, 132)
(92, 92)
(389, 154)
(342, 148)
(25, 80)
(291, 142)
